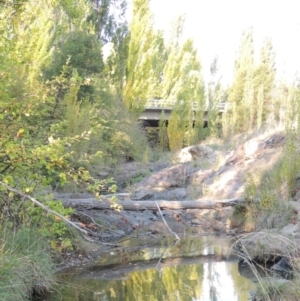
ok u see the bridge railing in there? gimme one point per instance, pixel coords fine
(166, 103)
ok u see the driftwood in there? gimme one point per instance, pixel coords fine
(92, 203)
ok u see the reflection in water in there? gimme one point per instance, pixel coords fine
(222, 282)
(201, 278)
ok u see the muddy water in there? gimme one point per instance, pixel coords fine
(193, 269)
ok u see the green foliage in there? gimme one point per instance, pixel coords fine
(143, 50)
(74, 9)
(182, 77)
(252, 88)
(50, 225)
(50, 132)
(163, 132)
(81, 51)
(176, 129)
(25, 263)
(116, 62)
(107, 17)
(267, 199)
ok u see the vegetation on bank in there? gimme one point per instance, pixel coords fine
(268, 193)
(26, 264)
(66, 113)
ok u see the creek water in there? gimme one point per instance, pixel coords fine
(192, 269)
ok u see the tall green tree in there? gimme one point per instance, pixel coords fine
(264, 83)
(107, 17)
(117, 60)
(142, 49)
(242, 90)
(81, 51)
(182, 83)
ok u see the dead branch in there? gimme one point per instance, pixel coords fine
(177, 237)
(47, 209)
(93, 203)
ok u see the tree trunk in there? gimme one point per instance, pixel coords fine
(149, 205)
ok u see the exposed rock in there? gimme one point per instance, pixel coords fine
(143, 195)
(200, 175)
(275, 140)
(168, 178)
(296, 197)
(173, 194)
(236, 155)
(254, 149)
(196, 152)
(248, 151)
(103, 174)
(132, 172)
(283, 268)
(197, 180)
(265, 246)
(295, 206)
(291, 230)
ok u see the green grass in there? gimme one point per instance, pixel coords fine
(25, 264)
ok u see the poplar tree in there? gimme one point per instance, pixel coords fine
(241, 92)
(107, 17)
(264, 82)
(142, 49)
(115, 64)
(182, 83)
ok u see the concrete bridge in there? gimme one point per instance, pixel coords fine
(154, 108)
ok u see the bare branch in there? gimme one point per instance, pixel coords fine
(47, 209)
(177, 237)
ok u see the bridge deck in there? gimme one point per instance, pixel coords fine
(155, 107)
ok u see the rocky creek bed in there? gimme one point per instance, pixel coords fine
(194, 193)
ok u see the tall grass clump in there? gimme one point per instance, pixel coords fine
(278, 291)
(25, 265)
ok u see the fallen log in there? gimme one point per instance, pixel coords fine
(94, 204)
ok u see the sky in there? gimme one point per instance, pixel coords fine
(216, 26)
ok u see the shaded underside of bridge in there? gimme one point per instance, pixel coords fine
(151, 116)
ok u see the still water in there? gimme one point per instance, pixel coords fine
(194, 269)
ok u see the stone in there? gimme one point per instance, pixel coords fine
(103, 174)
(283, 268)
(295, 206)
(142, 196)
(296, 197)
(196, 152)
(169, 178)
(248, 151)
(266, 245)
(253, 149)
(275, 140)
(290, 229)
(174, 194)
